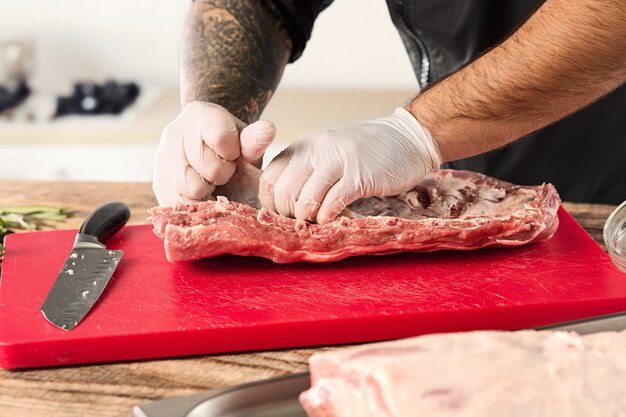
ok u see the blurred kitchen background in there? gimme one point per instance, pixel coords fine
(81, 54)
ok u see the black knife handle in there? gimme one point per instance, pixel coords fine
(105, 221)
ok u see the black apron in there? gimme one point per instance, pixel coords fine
(583, 155)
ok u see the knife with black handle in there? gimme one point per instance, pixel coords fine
(88, 268)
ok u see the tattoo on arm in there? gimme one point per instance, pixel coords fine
(233, 54)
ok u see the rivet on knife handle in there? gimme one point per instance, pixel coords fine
(88, 268)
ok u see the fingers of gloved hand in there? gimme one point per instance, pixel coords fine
(186, 181)
(207, 163)
(270, 176)
(171, 157)
(287, 187)
(194, 186)
(220, 131)
(171, 154)
(338, 197)
(163, 188)
(255, 138)
(313, 193)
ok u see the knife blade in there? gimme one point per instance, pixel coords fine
(88, 268)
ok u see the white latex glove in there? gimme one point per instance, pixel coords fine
(319, 175)
(197, 152)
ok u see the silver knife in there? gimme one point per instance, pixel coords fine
(88, 268)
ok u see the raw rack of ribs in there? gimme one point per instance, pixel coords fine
(485, 373)
(449, 209)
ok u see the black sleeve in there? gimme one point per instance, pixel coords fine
(298, 16)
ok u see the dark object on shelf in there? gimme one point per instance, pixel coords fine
(90, 98)
(11, 98)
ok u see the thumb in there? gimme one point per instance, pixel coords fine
(255, 138)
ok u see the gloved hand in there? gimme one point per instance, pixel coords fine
(197, 152)
(319, 175)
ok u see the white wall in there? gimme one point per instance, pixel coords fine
(354, 46)
(354, 43)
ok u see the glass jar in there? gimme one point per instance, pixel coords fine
(615, 236)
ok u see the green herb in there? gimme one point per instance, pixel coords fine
(28, 218)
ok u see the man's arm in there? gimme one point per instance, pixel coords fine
(567, 55)
(234, 53)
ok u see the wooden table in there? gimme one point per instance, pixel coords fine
(113, 389)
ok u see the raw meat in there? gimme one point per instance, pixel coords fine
(448, 210)
(503, 374)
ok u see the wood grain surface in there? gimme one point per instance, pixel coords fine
(113, 389)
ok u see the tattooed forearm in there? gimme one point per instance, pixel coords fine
(233, 54)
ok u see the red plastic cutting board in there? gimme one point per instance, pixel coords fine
(153, 308)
